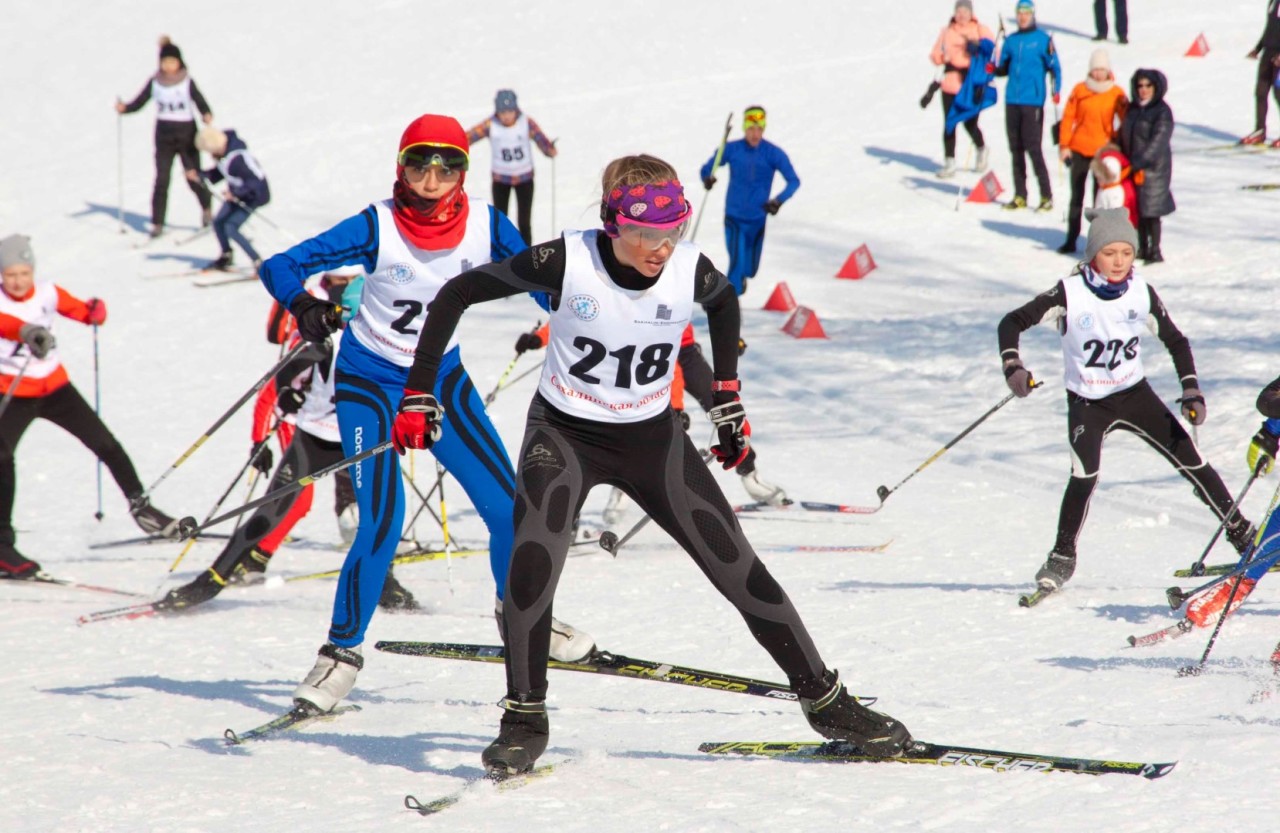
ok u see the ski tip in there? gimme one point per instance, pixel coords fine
(1154, 771)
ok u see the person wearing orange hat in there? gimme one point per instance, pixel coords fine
(409, 246)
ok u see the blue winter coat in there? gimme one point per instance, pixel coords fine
(751, 171)
(1027, 56)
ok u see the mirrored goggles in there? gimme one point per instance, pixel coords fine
(651, 235)
(450, 159)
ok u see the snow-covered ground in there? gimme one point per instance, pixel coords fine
(117, 726)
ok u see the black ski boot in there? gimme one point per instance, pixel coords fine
(522, 738)
(1241, 533)
(222, 264)
(15, 565)
(1057, 570)
(837, 715)
(395, 596)
(205, 586)
(250, 569)
(150, 519)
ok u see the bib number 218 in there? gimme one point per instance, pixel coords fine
(655, 361)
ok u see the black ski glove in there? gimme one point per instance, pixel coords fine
(316, 318)
(1018, 378)
(1193, 409)
(528, 341)
(38, 339)
(261, 459)
(732, 429)
(708, 181)
(289, 400)
(772, 206)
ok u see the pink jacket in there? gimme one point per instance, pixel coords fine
(951, 50)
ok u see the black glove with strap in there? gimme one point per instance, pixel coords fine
(527, 342)
(1193, 409)
(38, 339)
(260, 457)
(732, 428)
(1018, 378)
(316, 318)
(289, 400)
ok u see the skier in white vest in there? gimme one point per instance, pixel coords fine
(512, 134)
(1101, 311)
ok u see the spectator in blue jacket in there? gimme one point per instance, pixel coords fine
(1027, 56)
(752, 163)
(247, 190)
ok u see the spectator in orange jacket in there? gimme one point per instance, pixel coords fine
(955, 44)
(1091, 119)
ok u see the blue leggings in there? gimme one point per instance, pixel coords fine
(368, 393)
(744, 240)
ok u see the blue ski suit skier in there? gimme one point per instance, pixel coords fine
(409, 246)
(1026, 57)
(752, 163)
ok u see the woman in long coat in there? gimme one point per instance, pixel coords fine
(1145, 136)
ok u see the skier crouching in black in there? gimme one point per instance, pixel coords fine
(621, 299)
(1101, 310)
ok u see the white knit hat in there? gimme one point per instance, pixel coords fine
(1100, 60)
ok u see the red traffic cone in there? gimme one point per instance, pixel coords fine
(858, 265)
(781, 300)
(804, 323)
(987, 189)
(1199, 48)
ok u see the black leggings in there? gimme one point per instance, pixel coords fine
(524, 205)
(1079, 174)
(970, 126)
(306, 454)
(656, 465)
(65, 408)
(1266, 86)
(1140, 411)
(175, 139)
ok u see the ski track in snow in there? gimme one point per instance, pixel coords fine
(117, 726)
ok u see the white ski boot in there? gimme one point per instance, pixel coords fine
(332, 678)
(348, 523)
(948, 168)
(762, 491)
(615, 507)
(568, 644)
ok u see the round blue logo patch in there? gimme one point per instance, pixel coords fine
(1085, 321)
(400, 273)
(585, 307)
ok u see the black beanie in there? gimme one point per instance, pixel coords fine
(168, 49)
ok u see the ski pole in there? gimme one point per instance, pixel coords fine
(97, 410)
(697, 221)
(883, 492)
(497, 391)
(423, 506)
(249, 394)
(119, 170)
(13, 386)
(253, 456)
(1197, 569)
(1175, 595)
(491, 395)
(553, 192)
(444, 527)
(1194, 670)
(187, 527)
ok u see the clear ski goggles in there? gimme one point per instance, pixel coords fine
(653, 235)
(417, 158)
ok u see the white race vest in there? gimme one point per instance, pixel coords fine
(39, 309)
(611, 353)
(224, 167)
(173, 103)
(318, 415)
(1102, 340)
(512, 153)
(406, 279)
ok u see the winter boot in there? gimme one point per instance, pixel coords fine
(150, 519)
(157, 229)
(251, 568)
(332, 678)
(1068, 248)
(1057, 570)
(222, 264)
(348, 523)
(1206, 608)
(1257, 137)
(14, 564)
(762, 491)
(948, 168)
(1045, 206)
(837, 715)
(1015, 203)
(205, 586)
(1153, 243)
(980, 164)
(568, 644)
(522, 738)
(395, 596)
(1241, 533)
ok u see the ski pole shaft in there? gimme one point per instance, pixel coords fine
(883, 492)
(533, 369)
(553, 191)
(697, 221)
(188, 527)
(97, 410)
(444, 528)
(220, 421)
(491, 395)
(13, 386)
(1193, 670)
(1177, 598)
(1197, 569)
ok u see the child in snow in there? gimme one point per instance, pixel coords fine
(1110, 169)
(510, 132)
(177, 101)
(1090, 120)
(1101, 310)
(602, 414)
(957, 41)
(36, 386)
(247, 190)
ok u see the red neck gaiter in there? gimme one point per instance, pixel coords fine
(433, 225)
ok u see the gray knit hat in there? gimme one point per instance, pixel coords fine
(16, 249)
(964, 4)
(1110, 226)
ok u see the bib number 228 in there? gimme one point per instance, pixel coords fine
(655, 361)
(1118, 352)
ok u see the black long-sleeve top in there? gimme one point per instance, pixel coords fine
(143, 97)
(1051, 307)
(541, 269)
